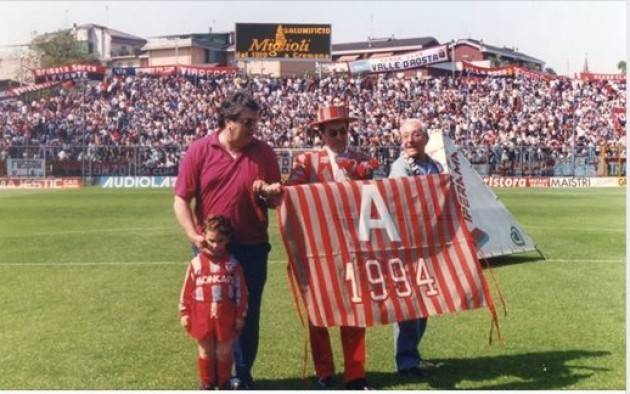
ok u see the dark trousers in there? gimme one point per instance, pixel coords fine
(407, 337)
(253, 259)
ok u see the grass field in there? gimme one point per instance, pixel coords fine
(89, 283)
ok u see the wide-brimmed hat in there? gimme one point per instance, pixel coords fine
(331, 113)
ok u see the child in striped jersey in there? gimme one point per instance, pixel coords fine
(213, 303)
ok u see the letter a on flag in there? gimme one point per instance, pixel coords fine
(409, 256)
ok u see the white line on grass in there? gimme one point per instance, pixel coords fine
(582, 229)
(585, 260)
(90, 231)
(151, 263)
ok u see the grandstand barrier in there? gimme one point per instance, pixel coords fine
(91, 162)
(149, 182)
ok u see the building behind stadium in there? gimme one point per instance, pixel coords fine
(114, 48)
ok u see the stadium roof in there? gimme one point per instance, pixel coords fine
(187, 40)
(169, 43)
(112, 32)
(389, 44)
(504, 51)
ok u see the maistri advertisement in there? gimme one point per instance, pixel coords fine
(397, 63)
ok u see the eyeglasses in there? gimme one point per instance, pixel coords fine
(414, 134)
(334, 132)
(249, 122)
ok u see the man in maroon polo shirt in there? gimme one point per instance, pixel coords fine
(227, 173)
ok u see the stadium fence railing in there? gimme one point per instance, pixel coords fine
(93, 161)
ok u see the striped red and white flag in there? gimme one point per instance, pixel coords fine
(375, 252)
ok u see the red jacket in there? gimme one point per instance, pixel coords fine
(315, 167)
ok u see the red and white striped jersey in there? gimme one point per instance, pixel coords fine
(375, 252)
(213, 281)
(316, 166)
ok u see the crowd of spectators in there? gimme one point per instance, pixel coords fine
(496, 120)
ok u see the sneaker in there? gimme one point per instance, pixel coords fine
(426, 364)
(232, 384)
(358, 384)
(325, 383)
(203, 386)
(413, 372)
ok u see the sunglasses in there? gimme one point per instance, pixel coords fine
(334, 132)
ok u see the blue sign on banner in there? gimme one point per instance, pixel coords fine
(124, 71)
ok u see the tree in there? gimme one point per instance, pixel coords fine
(495, 60)
(61, 48)
(550, 70)
(622, 66)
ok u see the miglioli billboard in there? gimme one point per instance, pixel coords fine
(283, 41)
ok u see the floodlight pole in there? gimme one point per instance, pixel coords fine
(574, 145)
(453, 58)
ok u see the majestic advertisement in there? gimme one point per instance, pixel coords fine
(400, 62)
(45, 183)
(283, 41)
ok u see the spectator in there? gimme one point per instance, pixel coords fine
(222, 173)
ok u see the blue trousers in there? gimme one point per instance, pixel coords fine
(407, 337)
(253, 259)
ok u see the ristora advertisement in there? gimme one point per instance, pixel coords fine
(281, 41)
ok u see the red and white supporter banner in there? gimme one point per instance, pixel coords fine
(365, 253)
(602, 77)
(505, 71)
(14, 92)
(157, 70)
(204, 72)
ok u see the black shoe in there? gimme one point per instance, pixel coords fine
(244, 384)
(205, 386)
(358, 384)
(413, 372)
(325, 383)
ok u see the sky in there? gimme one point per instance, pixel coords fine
(561, 33)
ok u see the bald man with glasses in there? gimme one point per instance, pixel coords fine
(413, 161)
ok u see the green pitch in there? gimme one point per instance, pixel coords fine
(90, 279)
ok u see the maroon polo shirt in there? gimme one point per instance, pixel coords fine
(221, 185)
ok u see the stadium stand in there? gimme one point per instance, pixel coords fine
(506, 126)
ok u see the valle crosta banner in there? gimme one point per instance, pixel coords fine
(397, 63)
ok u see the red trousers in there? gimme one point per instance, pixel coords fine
(353, 344)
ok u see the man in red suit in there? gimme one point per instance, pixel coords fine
(335, 163)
